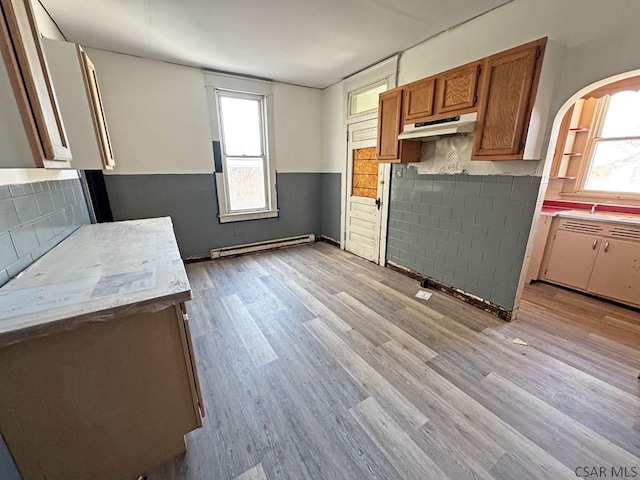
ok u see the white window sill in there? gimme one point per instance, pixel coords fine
(242, 217)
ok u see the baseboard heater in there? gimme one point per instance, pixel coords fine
(262, 246)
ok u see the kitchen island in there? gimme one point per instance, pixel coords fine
(96, 363)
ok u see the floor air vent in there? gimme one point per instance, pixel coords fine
(261, 246)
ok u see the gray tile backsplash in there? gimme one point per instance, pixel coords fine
(467, 231)
(34, 218)
(190, 200)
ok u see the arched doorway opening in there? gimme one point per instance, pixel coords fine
(591, 177)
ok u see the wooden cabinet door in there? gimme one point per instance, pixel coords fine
(29, 74)
(573, 256)
(389, 124)
(419, 101)
(389, 148)
(456, 90)
(616, 273)
(508, 90)
(97, 109)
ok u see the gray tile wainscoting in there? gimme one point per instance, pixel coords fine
(331, 195)
(190, 200)
(469, 232)
(34, 218)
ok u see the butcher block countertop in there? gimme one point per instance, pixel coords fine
(100, 272)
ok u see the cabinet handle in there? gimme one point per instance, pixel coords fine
(595, 244)
(606, 247)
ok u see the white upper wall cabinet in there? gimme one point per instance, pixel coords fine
(28, 74)
(76, 83)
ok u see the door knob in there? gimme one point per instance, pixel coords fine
(378, 203)
(606, 247)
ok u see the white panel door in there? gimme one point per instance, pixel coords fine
(365, 189)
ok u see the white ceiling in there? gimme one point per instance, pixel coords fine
(306, 42)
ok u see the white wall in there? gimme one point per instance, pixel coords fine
(157, 115)
(45, 24)
(11, 176)
(159, 121)
(334, 140)
(297, 120)
(588, 40)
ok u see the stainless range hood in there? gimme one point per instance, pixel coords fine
(438, 128)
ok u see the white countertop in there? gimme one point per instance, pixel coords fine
(100, 272)
(625, 218)
(610, 217)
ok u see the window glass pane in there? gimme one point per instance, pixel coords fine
(241, 126)
(367, 100)
(623, 115)
(615, 167)
(246, 182)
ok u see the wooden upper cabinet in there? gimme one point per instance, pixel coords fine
(29, 75)
(390, 149)
(419, 100)
(389, 124)
(507, 93)
(457, 90)
(74, 78)
(97, 109)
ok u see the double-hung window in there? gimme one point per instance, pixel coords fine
(243, 146)
(614, 158)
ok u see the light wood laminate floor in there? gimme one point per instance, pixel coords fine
(316, 364)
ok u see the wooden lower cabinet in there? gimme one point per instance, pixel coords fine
(106, 400)
(572, 258)
(588, 256)
(616, 272)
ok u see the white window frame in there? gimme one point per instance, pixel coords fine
(352, 116)
(227, 85)
(595, 137)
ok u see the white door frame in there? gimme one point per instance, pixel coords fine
(364, 135)
(385, 70)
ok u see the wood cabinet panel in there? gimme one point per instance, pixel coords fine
(389, 123)
(389, 148)
(80, 104)
(27, 68)
(97, 108)
(419, 100)
(456, 89)
(507, 93)
(572, 258)
(122, 384)
(616, 273)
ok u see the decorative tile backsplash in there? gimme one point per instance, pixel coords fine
(34, 218)
(452, 156)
